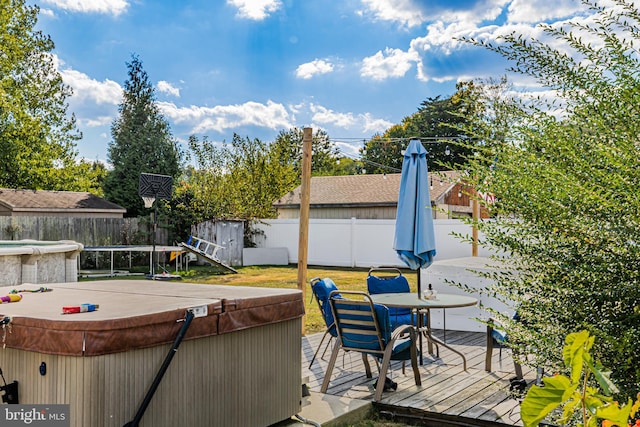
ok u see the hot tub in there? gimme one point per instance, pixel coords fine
(36, 261)
(239, 364)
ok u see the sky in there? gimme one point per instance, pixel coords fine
(256, 67)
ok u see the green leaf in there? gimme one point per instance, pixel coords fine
(569, 408)
(612, 412)
(540, 401)
(608, 387)
(573, 352)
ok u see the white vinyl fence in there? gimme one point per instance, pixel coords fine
(357, 242)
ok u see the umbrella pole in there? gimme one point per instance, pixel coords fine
(419, 284)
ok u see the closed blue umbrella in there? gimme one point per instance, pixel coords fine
(414, 235)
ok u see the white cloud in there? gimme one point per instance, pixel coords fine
(47, 12)
(373, 125)
(315, 67)
(202, 119)
(478, 22)
(87, 89)
(530, 11)
(405, 12)
(256, 10)
(363, 122)
(296, 108)
(112, 7)
(168, 88)
(96, 121)
(443, 36)
(324, 116)
(480, 11)
(391, 63)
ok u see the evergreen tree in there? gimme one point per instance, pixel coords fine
(142, 142)
(37, 139)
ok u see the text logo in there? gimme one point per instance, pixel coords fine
(35, 415)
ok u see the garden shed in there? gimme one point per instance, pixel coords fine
(227, 233)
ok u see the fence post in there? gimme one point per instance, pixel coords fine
(354, 249)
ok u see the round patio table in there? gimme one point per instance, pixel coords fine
(413, 301)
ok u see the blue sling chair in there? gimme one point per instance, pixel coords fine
(383, 280)
(496, 335)
(499, 337)
(365, 327)
(321, 288)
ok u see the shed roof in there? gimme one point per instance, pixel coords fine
(41, 200)
(369, 190)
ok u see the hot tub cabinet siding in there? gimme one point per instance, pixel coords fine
(238, 366)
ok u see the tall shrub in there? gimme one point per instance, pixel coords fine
(565, 178)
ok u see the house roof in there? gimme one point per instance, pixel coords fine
(369, 190)
(41, 200)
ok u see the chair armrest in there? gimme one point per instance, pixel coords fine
(401, 330)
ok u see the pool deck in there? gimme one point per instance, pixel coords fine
(448, 395)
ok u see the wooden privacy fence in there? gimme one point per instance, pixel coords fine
(88, 231)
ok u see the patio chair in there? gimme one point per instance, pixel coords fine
(497, 336)
(321, 288)
(365, 327)
(380, 281)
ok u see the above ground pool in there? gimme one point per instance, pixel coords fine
(36, 261)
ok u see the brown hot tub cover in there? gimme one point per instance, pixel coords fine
(136, 314)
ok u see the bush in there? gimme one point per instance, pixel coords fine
(565, 177)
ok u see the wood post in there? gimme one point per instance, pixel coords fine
(305, 197)
(475, 208)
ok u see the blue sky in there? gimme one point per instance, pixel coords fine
(255, 67)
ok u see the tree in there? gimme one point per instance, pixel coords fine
(346, 166)
(37, 138)
(181, 205)
(239, 180)
(383, 153)
(438, 123)
(80, 176)
(142, 142)
(288, 148)
(565, 177)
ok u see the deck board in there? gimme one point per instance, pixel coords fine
(447, 390)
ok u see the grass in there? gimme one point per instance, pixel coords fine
(287, 277)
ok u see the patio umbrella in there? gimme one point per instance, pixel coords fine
(414, 235)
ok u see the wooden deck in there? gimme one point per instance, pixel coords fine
(448, 395)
